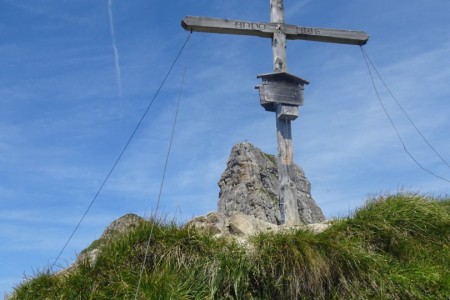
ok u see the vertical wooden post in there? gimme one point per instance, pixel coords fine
(279, 38)
(270, 91)
(287, 190)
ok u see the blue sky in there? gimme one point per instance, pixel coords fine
(68, 105)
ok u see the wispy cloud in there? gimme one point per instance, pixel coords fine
(114, 46)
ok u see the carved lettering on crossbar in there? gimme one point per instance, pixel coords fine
(248, 25)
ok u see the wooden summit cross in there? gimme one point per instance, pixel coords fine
(280, 91)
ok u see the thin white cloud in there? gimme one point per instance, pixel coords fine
(114, 46)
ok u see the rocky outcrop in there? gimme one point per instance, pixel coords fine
(115, 229)
(250, 183)
(242, 226)
(248, 202)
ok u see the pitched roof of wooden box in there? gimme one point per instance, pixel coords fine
(283, 76)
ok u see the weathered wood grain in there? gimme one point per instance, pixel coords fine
(288, 202)
(280, 87)
(287, 191)
(287, 112)
(267, 30)
(281, 93)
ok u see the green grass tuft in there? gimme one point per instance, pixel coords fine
(396, 247)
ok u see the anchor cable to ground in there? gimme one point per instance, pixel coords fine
(155, 214)
(369, 64)
(121, 154)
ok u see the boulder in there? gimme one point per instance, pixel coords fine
(214, 222)
(245, 225)
(237, 224)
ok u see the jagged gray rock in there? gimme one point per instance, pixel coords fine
(250, 185)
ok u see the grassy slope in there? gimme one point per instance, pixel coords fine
(396, 247)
